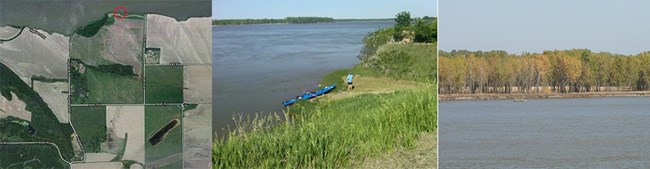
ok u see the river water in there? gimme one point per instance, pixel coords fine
(554, 133)
(256, 67)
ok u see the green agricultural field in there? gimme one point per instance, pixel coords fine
(90, 124)
(105, 87)
(112, 61)
(30, 156)
(164, 84)
(90, 43)
(87, 49)
(109, 76)
(157, 117)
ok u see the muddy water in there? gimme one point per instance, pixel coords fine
(256, 67)
(553, 133)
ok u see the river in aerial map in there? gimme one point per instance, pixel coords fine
(555, 133)
(257, 67)
(65, 16)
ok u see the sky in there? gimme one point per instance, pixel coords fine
(518, 26)
(338, 9)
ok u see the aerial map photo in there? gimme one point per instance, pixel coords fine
(111, 84)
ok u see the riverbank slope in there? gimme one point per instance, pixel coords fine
(383, 114)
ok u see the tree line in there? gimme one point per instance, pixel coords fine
(287, 20)
(563, 71)
(419, 30)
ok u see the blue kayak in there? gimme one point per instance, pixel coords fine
(310, 95)
(325, 90)
(289, 102)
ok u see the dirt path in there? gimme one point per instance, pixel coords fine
(373, 85)
(423, 155)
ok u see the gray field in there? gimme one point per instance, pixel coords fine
(197, 81)
(29, 55)
(197, 137)
(188, 42)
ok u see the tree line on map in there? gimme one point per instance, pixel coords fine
(564, 71)
(93, 27)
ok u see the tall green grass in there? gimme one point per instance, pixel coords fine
(416, 62)
(330, 134)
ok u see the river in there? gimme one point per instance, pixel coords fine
(256, 67)
(65, 16)
(608, 132)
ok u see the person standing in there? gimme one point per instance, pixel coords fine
(350, 76)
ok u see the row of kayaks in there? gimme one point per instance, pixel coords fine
(310, 95)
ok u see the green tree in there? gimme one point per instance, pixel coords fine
(425, 32)
(403, 19)
(402, 22)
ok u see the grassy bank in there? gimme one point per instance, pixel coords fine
(330, 134)
(422, 156)
(411, 62)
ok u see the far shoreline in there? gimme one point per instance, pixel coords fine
(355, 21)
(515, 96)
